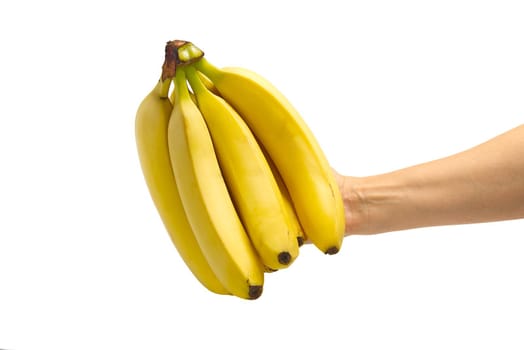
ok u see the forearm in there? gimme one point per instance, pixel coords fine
(484, 183)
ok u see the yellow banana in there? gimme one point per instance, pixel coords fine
(248, 176)
(151, 125)
(288, 205)
(292, 147)
(206, 200)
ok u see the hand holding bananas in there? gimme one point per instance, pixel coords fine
(237, 177)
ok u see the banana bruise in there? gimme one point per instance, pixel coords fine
(151, 123)
(293, 148)
(253, 188)
(208, 205)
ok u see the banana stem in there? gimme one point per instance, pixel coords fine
(207, 68)
(196, 84)
(181, 84)
(163, 87)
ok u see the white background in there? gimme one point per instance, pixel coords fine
(84, 260)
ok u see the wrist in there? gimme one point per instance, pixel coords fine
(355, 207)
(375, 204)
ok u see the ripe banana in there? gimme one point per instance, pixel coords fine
(288, 205)
(151, 123)
(249, 178)
(207, 203)
(292, 147)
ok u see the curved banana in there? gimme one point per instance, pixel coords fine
(248, 176)
(293, 148)
(151, 124)
(288, 205)
(206, 200)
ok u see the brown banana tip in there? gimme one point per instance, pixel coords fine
(300, 241)
(255, 292)
(331, 251)
(284, 258)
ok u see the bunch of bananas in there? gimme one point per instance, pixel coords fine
(236, 175)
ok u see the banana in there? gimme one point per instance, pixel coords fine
(292, 147)
(249, 178)
(207, 203)
(151, 123)
(288, 205)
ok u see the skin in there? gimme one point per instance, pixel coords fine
(482, 184)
